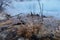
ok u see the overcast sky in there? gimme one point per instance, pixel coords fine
(51, 7)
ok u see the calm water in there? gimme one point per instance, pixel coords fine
(51, 7)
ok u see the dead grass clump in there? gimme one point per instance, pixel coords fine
(28, 30)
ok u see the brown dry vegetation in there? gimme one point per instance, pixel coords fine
(32, 26)
(27, 30)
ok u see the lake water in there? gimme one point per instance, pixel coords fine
(50, 8)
